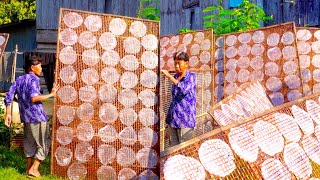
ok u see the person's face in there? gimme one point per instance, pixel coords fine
(37, 69)
(180, 65)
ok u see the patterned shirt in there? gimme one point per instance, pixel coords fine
(26, 87)
(182, 111)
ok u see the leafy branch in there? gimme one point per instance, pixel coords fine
(246, 16)
(149, 9)
(17, 10)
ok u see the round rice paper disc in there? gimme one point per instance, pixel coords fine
(316, 46)
(110, 58)
(303, 47)
(107, 41)
(85, 131)
(72, 19)
(87, 39)
(231, 76)
(231, 88)
(117, 26)
(289, 52)
(276, 98)
(64, 135)
(148, 174)
(243, 143)
(108, 113)
(148, 117)
(84, 151)
(231, 40)
(182, 167)
(65, 114)
(304, 61)
(149, 79)
(258, 37)
(303, 35)
(106, 172)
(138, 29)
(90, 76)
(268, 138)
(68, 37)
(128, 98)
(106, 153)
(126, 156)
(273, 169)
(128, 116)
(67, 94)
(274, 84)
(93, 23)
(297, 161)
(68, 55)
(257, 49)
(77, 171)
(195, 49)
(290, 67)
(303, 119)
(231, 52)
(199, 37)
(219, 42)
(205, 45)
(127, 173)
(128, 80)
(205, 57)
(107, 93)
(187, 39)
(274, 53)
(271, 69)
(148, 98)
(273, 39)
(131, 45)
(108, 134)
(87, 93)
(147, 157)
(149, 60)
(150, 42)
(174, 40)
(63, 156)
(128, 136)
(85, 112)
(244, 50)
(287, 38)
(288, 127)
(244, 38)
(147, 137)
(90, 57)
(129, 63)
(164, 41)
(110, 75)
(216, 157)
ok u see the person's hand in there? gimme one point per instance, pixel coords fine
(166, 73)
(7, 121)
(54, 89)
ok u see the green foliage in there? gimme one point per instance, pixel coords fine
(246, 16)
(13, 165)
(17, 10)
(185, 30)
(4, 131)
(151, 11)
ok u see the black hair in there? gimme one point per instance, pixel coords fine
(33, 60)
(180, 55)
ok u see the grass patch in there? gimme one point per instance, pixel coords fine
(13, 165)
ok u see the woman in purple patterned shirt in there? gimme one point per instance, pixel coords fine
(36, 140)
(181, 117)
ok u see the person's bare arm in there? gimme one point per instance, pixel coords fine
(7, 121)
(46, 96)
(168, 75)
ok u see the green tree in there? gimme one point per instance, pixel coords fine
(246, 16)
(151, 11)
(17, 10)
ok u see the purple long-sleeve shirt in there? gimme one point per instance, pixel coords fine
(26, 87)
(182, 111)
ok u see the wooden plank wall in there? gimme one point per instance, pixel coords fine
(48, 10)
(174, 15)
